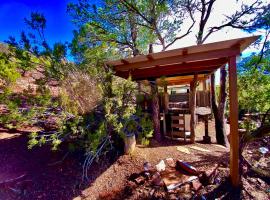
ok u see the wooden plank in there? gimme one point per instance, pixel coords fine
(168, 67)
(234, 136)
(178, 125)
(178, 117)
(206, 55)
(179, 80)
(172, 70)
(179, 133)
(124, 61)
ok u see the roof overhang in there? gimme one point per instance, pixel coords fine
(198, 59)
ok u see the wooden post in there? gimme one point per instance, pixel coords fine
(155, 111)
(192, 105)
(166, 99)
(166, 108)
(204, 85)
(139, 87)
(234, 136)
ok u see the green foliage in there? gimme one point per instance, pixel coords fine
(254, 84)
(8, 70)
(147, 129)
(248, 124)
(119, 103)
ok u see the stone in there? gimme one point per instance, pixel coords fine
(196, 184)
(161, 166)
(157, 180)
(77, 198)
(261, 182)
(170, 162)
(147, 166)
(140, 180)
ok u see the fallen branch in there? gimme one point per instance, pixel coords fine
(262, 173)
(91, 157)
(60, 161)
(12, 180)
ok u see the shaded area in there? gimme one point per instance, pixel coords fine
(45, 174)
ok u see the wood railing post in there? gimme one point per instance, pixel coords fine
(234, 136)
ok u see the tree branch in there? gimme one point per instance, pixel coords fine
(182, 36)
(134, 9)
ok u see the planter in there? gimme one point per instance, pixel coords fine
(130, 144)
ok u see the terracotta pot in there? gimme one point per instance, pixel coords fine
(130, 144)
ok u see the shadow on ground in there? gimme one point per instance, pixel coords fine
(42, 177)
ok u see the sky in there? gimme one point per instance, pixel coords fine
(12, 14)
(59, 25)
(221, 8)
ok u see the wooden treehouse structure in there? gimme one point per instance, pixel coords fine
(188, 66)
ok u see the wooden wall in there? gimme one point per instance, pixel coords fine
(202, 98)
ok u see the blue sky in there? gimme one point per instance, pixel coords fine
(13, 12)
(59, 25)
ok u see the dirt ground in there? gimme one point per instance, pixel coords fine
(41, 177)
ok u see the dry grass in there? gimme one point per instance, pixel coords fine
(82, 90)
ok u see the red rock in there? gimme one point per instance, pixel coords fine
(140, 180)
(157, 180)
(196, 184)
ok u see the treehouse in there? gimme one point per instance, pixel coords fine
(184, 69)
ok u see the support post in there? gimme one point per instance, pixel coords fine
(192, 105)
(204, 85)
(234, 136)
(166, 99)
(166, 108)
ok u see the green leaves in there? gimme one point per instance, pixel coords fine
(8, 69)
(254, 84)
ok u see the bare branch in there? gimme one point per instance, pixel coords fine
(134, 9)
(182, 36)
(234, 20)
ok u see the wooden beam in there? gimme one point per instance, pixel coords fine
(183, 81)
(192, 105)
(207, 55)
(175, 69)
(124, 61)
(149, 57)
(234, 136)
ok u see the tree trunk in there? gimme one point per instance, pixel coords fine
(192, 108)
(155, 112)
(219, 110)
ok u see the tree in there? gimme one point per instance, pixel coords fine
(127, 28)
(253, 83)
(240, 19)
(108, 23)
(162, 19)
